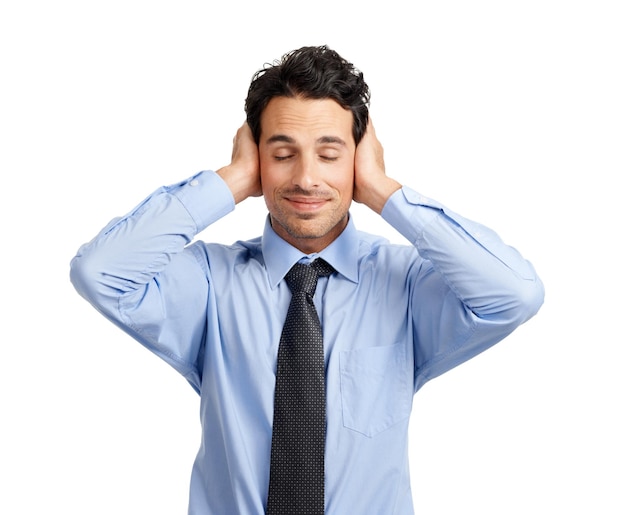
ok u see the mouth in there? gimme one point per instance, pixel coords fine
(305, 204)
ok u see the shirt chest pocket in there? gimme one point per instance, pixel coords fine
(376, 388)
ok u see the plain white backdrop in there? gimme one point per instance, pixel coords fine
(512, 113)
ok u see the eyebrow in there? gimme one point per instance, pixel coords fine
(283, 138)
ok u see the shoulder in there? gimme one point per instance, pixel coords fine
(376, 245)
(385, 255)
(219, 255)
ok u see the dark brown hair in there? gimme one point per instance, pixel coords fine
(313, 72)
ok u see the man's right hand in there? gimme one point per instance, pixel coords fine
(242, 175)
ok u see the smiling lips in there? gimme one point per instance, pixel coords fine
(305, 203)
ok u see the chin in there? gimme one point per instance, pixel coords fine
(305, 233)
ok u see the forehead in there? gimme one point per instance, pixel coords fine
(303, 119)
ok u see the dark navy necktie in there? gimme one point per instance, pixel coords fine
(299, 432)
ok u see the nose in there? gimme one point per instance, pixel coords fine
(305, 173)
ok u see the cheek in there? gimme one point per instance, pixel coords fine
(267, 189)
(345, 182)
(272, 171)
(267, 177)
(271, 183)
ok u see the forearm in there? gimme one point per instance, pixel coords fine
(131, 250)
(490, 278)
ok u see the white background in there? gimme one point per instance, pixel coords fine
(512, 113)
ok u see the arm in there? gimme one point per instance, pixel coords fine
(472, 258)
(139, 271)
(131, 250)
(472, 289)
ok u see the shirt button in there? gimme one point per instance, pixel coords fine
(193, 182)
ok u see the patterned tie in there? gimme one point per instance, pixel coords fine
(299, 432)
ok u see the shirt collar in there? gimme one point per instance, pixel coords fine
(280, 256)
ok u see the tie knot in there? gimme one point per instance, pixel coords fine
(304, 277)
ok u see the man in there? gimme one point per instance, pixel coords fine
(392, 317)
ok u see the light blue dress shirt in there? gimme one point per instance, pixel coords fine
(393, 317)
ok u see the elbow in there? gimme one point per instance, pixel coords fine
(83, 275)
(89, 278)
(526, 300)
(514, 304)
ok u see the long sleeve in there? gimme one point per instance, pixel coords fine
(472, 290)
(120, 271)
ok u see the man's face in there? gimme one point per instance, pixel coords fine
(306, 153)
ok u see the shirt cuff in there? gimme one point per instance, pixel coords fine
(409, 212)
(205, 196)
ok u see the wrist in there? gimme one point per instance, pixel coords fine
(240, 182)
(376, 196)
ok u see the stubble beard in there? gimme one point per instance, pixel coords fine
(309, 226)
